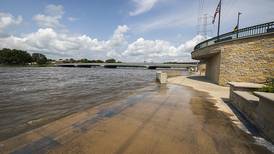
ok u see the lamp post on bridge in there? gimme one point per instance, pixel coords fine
(238, 23)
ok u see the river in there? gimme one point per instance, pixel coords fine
(33, 96)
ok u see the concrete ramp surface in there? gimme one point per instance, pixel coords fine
(172, 119)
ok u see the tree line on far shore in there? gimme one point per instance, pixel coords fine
(20, 57)
(84, 60)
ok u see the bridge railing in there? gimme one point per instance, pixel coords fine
(244, 32)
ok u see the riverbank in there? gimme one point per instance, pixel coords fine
(171, 119)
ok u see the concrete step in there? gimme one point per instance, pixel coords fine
(247, 96)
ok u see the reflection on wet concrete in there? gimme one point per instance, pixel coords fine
(39, 146)
(106, 113)
(172, 119)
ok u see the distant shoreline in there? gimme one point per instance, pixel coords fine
(33, 65)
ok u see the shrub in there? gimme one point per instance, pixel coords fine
(269, 87)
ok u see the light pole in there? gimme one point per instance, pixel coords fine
(238, 22)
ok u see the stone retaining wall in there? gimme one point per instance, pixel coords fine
(243, 60)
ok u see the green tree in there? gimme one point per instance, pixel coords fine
(14, 57)
(96, 61)
(39, 58)
(99, 61)
(111, 60)
(84, 60)
(71, 60)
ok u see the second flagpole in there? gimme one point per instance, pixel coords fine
(219, 20)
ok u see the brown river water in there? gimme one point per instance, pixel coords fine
(148, 118)
(31, 96)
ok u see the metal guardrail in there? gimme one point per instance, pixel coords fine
(244, 32)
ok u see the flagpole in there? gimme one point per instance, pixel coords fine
(219, 21)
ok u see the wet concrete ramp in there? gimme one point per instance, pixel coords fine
(173, 119)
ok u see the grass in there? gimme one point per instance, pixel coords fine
(269, 87)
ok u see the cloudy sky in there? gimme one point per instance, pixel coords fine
(128, 30)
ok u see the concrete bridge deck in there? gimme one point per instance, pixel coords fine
(143, 65)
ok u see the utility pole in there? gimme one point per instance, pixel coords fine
(205, 25)
(238, 23)
(200, 17)
(219, 21)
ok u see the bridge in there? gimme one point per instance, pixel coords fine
(186, 65)
(245, 55)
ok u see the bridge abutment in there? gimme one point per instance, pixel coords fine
(249, 59)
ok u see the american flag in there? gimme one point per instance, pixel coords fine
(216, 12)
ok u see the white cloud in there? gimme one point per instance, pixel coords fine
(45, 21)
(54, 10)
(72, 19)
(118, 42)
(59, 45)
(7, 20)
(142, 6)
(51, 42)
(118, 37)
(188, 46)
(177, 18)
(150, 48)
(48, 39)
(159, 50)
(166, 22)
(51, 17)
